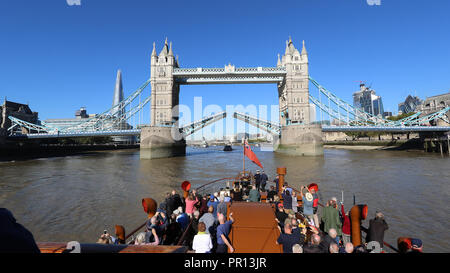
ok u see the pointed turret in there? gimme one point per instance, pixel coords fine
(286, 52)
(118, 95)
(304, 49)
(154, 50)
(279, 61)
(170, 50)
(165, 49)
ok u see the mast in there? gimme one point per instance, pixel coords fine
(243, 156)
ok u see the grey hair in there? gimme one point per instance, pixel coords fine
(297, 248)
(332, 232)
(349, 247)
(334, 248)
(379, 214)
(140, 238)
(315, 239)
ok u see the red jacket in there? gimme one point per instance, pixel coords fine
(346, 226)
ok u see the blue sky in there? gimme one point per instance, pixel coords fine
(58, 57)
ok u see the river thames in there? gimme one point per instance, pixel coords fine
(77, 197)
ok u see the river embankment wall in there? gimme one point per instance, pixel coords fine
(19, 151)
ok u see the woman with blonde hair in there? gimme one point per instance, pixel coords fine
(202, 242)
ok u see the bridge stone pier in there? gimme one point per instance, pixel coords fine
(290, 75)
(301, 140)
(157, 142)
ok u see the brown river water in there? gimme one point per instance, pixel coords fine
(77, 197)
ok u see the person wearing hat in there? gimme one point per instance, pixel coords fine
(307, 200)
(257, 179)
(212, 202)
(331, 219)
(162, 218)
(312, 190)
(416, 245)
(377, 227)
(181, 218)
(280, 215)
(264, 179)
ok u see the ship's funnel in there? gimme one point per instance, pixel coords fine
(149, 206)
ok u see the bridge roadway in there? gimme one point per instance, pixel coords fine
(327, 128)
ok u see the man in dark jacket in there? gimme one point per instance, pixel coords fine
(271, 194)
(288, 238)
(377, 227)
(313, 245)
(257, 180)
(177, 199)
(236, 194)
(264, 179)
(287, 200)
(170, 203)
(327, 240)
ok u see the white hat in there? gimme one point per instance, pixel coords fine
(309, 196)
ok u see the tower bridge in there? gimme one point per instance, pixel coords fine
(296, 134)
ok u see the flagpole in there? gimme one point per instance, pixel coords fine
(243, 156)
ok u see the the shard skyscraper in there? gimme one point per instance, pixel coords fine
(118, 111)
(118, 96)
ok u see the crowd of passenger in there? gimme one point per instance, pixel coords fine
(197, 221)
(203, 223)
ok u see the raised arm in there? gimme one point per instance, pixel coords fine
(156, 242)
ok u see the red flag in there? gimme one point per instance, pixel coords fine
(251, 155)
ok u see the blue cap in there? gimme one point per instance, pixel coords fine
(416, 243)
(161, 210)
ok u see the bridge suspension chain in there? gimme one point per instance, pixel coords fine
(106, 120)
(357, 117)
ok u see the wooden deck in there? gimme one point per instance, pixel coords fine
(254, 229)
(101, 248)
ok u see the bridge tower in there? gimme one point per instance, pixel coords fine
(157, 140)
(293, 92)
(165, 91)
(298, 136)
